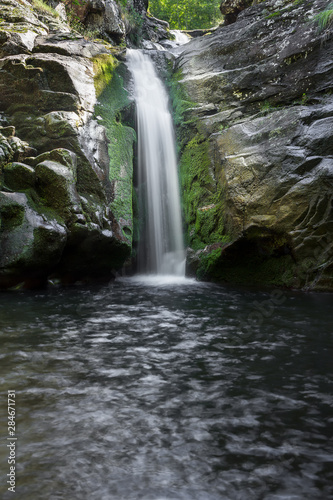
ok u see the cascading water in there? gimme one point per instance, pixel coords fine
(161, 250)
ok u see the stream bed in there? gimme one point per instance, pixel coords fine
(168, 390)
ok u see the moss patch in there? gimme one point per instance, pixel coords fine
(11, 216)
(203, 197)
(181, 104)
(112, 110)
(208, 262)
(255, 258)
(104, 68)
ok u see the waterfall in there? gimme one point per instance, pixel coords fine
(180, 38)
(161, 247)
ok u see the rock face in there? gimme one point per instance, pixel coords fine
(105, 16)
(57, 191)
(231, 8)
(255, 113)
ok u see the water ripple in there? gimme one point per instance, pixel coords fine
(151, 391)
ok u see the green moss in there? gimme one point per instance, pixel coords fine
(11, 215)
(325, 18)
(203, 195)
(274, 14)
(43, 8)
(104, 67)
(202, 184)
(208, 263)
(39, 206)
(181, 104)
(121, 172)
(268, 261)
(112, 105)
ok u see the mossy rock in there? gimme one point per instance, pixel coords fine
(57, 125)
(60, 155)
(203, 199)
(259, 257)
(56, 187)
(31, 242)
(18, 176)
(11, 212)
(116, 114)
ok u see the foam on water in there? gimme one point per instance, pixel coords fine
(160, 280)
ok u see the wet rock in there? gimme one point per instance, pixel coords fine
(264, 113)
(55, 189)
(31, 244)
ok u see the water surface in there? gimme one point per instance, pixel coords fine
(167, 391)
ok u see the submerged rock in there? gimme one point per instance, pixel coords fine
(258, 147)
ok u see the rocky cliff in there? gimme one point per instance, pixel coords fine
(254, 107)
(65, 155)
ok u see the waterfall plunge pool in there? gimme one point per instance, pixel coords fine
(155, 391)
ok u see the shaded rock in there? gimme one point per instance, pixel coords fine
(264, 121)
(18, 176)
(154, 29)
(30, 244)
(11, 147)
(55, 188)
(87, 254)
(105, 16)
(231, 8)
(140, 5)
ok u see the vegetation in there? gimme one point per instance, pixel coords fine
(325, 18)
(203, 198)
(43, 8)
(79, 27)
(187, 14)
(112, 103)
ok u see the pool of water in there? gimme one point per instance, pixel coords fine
(168, 390)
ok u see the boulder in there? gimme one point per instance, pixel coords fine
(18, 176)
(31, 244)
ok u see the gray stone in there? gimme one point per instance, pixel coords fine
(31, 244)
(264, 107)
(105, 16)
(53, 153)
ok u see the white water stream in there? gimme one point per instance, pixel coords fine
(161, 250)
